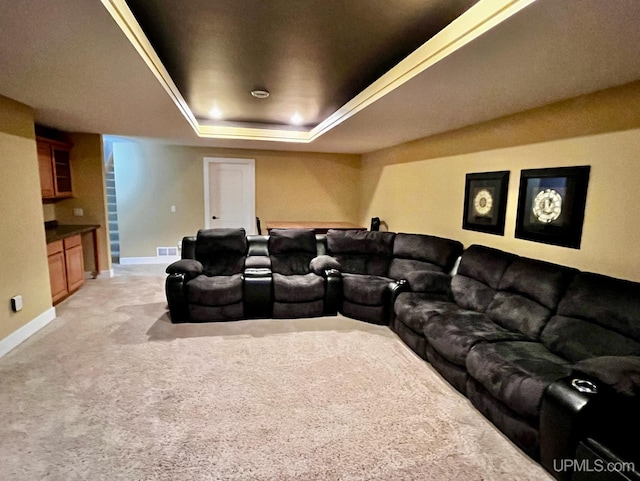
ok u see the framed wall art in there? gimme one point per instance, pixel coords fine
(551, 205)
(485, 202)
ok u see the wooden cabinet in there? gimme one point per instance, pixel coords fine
(74, 262)
(55, 169)
(57, 271)
(66, 267)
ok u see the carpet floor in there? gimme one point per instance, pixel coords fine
(111, 390)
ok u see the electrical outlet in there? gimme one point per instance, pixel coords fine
(78, 212)
(16, 303)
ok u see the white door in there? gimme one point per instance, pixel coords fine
(229, 192)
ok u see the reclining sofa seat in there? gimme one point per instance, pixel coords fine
(374, 265)
(297, 291)
(497, 300)
(207, 283)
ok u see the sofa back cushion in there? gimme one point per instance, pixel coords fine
(475, 284)
(528, 295)
(221, 251)
(597, 316)
(361, 252)
(418, 252)
(291, 250)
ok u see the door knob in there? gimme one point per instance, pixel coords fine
(214, 217)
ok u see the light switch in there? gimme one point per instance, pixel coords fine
(173, 208)
(78, 212)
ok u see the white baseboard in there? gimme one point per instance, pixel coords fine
(108, 274)
(16, 338)
(127, 261)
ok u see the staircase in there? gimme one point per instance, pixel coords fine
(114, 237)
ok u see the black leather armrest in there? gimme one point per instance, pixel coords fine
(333, 292)
(257, 262)
(189, 267)
(567, 407)
(430, 282)
(176, 298)
(258, 297)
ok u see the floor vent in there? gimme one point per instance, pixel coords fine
(166, 251)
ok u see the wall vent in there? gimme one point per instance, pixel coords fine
(166, 251)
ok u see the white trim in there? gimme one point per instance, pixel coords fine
(16, 338)
(129, 261)
(251, 228)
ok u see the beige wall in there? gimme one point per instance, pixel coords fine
(89, 194)
(151, 177)
(23, 262)
(419, 186)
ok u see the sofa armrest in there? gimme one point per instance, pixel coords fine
(322, 264)
(189, 267)
(621, 374)
(599, 401)
(567, 407)
(429, 282)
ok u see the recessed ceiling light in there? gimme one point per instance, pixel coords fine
(296, 119)
(260, 94)
(215, 112)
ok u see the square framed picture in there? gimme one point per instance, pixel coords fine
(485, 202)
(551, 205)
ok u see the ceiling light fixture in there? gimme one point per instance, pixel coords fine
(215, 113)
(296, 119)
(260, 94)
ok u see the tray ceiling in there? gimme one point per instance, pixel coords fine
(312, 56)
(88, 66)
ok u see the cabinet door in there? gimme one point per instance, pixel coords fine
(46, 170)
(62, 172)
(58, 276)
(75, 266)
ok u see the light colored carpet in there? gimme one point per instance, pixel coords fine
(112, 391)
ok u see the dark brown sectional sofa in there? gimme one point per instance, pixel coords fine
(549, 354)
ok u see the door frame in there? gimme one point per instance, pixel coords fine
(252, 180)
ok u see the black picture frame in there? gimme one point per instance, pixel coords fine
(485, 202)
(551, 205)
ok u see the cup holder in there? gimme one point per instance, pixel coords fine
(584, 386)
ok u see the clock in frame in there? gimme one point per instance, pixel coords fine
(485, 202)
(551, 205)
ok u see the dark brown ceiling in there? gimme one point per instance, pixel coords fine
(313, 56)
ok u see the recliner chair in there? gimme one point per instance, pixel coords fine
(297, 290)
(207, 283)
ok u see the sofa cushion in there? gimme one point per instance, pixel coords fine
(215, 291)
(529, 293)
(598, 316)
(297, 288)
(453, 334)
(291, 250)
(412, 252)
(221, 251)
(284, 241)
(361, 252)
(516, 372)
(481, 268)
(366, 290)
(415, 309)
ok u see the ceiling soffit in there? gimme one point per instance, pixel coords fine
(471, 24)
